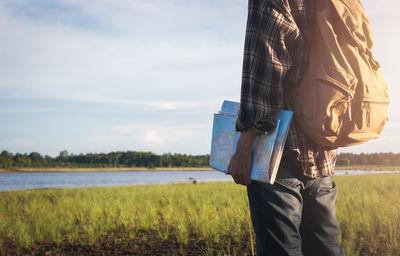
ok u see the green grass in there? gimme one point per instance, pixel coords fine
(368, 210)
(216, 213)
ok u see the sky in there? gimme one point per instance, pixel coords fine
(144, 75)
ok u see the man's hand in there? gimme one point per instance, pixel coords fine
(240, 164)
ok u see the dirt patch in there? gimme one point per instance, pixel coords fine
(148, 243)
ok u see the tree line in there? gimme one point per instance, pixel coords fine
(93, 160)
(378, 159)
(151, 160)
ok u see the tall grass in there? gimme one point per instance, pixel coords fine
(216, 213)
(368, 211)
(368, 208)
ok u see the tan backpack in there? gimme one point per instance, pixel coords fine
(343, 98)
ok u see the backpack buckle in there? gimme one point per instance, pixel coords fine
(349, 106)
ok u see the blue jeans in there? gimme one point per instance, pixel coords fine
(296, 214)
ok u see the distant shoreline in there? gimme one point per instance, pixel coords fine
(369, 168)
(111, 169)
(160, 169)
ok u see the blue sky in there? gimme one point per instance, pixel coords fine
(147, 75)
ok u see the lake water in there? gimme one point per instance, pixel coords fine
(27, 180)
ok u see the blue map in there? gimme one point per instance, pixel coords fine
(267, 149)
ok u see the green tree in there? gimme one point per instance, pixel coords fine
(37, 159)
(6, 159)
(64, 154)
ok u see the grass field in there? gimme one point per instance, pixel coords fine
(203, 218)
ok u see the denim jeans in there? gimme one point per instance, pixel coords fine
(294, 215)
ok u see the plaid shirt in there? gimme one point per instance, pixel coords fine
(275, 55)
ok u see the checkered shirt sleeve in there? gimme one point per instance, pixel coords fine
(270, 33)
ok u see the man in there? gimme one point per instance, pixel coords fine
(297, 213)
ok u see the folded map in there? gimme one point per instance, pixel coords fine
(267, 149)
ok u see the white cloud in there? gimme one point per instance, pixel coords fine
(59, 59)
(153, 137)
(155, 104)
(18, 142)
(7, 110)
(162, 105)
(163, 55)
(162, 138)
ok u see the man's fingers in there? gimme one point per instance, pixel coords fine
(238, 168)
(239, 179)
(236, 179)
(229, 170)
(244, 180)
(247, 182)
